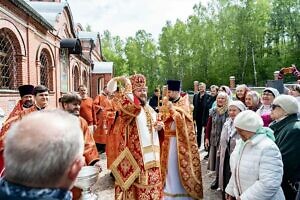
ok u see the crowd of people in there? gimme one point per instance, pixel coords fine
(252, 140)
(152, 146)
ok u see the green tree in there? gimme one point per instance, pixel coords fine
(141, 54)
(249, 39)
(113, 51)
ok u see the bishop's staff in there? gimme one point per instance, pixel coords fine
(158, 97)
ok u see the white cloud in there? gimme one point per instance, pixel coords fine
(125, 17)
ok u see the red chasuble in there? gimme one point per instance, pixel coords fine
(147, 183)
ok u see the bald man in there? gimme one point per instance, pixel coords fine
(42, 157)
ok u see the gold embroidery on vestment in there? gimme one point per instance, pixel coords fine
(136, 170)
(176, 195)
(152, 148)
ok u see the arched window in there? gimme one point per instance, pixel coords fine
(100, 84)
(84, 78)
(8, 63)
(46, 71)
(75, 78)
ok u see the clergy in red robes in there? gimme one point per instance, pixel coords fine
(105, 116)
(180, 161)
(113, 137)
(41, 98)
(26, 101)
(87, 109)
(137, 173)
(71, 103)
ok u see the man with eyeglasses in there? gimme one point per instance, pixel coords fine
(267, 98)
(286, 127)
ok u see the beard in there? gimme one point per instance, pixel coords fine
(171, 98)
(27, 104)
(74, 112)
(143, 100)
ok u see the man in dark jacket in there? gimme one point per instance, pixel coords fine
(201, 109)
(154, 100)
(286, 127)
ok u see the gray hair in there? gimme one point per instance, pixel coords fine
(40, 148)
(214, 87)
(201, 83)
(242, 86)
(255, 97)
(224, 94)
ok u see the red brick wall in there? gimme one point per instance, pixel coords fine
(30, 38)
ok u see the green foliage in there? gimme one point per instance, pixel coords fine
(249, 39)
(113, 51)
(88, 28)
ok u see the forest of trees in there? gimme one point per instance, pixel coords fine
(248, 39)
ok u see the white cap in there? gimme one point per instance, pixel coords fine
(248, 120)
(240, 105)
(288, 103)
(274, 91)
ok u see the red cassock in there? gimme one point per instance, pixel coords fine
(90, 152)
(14, 116)
(105, 115)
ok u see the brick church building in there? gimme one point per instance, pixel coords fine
(40, 44)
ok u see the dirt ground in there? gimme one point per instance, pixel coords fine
(104, 188)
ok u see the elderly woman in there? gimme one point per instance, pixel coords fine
(255, 163)
(241, 91)
(216, 120)
(295, 91)
(286, 127)
(267, 99)
(224, 88)
(227, 143)
(252, 100)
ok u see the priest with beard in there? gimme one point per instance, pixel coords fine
(70, 102)
(137, 168)
(26, 101)
(41, 98)
(180, 179)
